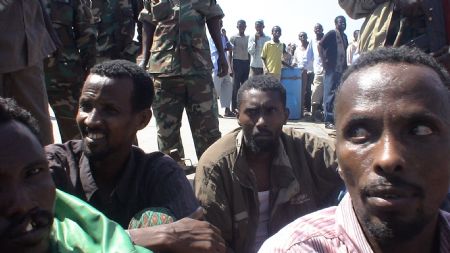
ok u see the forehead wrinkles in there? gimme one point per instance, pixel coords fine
(387, 84)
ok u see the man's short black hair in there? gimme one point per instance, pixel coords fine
(338, 17)
(142, 96)
(397, 55)
(276, 27)
(264, 83)
(241, 21)
(9, 110)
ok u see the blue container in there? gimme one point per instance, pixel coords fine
(291, 78)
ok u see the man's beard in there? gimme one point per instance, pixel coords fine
(95, 155)
(261, 146)
(392, 231)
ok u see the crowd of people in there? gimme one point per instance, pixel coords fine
(382, 185)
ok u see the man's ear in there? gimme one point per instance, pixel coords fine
(237, 117)
(143, 118)
(341, 174)
(286, 115)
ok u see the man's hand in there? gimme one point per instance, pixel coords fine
(222, 66)
(143, 65)
(443, 56)
(193, 235)
(188, 235)
(409, 8)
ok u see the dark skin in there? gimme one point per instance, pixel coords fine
(108, 125)
(393, 141)
(340, 25)
(27, 191)
(259, 31)
(241, 26)
(318, 30)
(303, 37)
(276, 34)
(261, 116)
(214, 26)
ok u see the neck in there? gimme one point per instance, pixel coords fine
(276, 40)
(427, 241)
(241, 34)
(319, 36)
(106, 171)
(304, 44)
(261, 157)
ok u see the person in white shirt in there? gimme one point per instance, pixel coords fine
(317, 85)
(222, 85)
(304, 59)
(255, 45)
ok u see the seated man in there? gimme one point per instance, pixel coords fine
(258, 178)
(119, 179)
(33, 217)
(393, 145)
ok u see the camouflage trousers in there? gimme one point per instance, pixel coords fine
(195, 94)
(64, 81)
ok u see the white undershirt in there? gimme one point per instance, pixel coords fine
(262, 231)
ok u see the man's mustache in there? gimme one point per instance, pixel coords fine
(40, 217)
(393, 182)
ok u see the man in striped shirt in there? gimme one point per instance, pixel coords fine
(393, 141)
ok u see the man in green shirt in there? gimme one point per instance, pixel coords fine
(34, 217)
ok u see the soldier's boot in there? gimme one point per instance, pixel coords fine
(175, 155)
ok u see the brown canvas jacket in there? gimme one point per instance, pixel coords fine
(304, 179)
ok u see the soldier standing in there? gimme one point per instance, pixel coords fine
(181, 66)
(67, 68)
(115, 23)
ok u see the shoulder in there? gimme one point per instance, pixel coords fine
(329, 35)
(320, 224)
(156, 162)
(219, 153)
(65, 151)
(306, 139)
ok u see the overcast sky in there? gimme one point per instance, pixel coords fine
(293, 16)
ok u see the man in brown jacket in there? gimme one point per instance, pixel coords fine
(260, 177)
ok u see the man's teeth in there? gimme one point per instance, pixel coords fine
(29, 227)
(95, 136)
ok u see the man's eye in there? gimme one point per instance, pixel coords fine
(33, 171)
(252, 112)
(85, 107)
(358, 134)
(421, 130)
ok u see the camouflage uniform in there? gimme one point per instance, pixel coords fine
(181, 66)
(66, 69)
(115, 23)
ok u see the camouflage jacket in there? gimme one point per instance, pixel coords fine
(115, 23)
(180, 45)
(303, 179)
(73, 23)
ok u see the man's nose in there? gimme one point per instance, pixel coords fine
(261, 121)
(388, 157)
